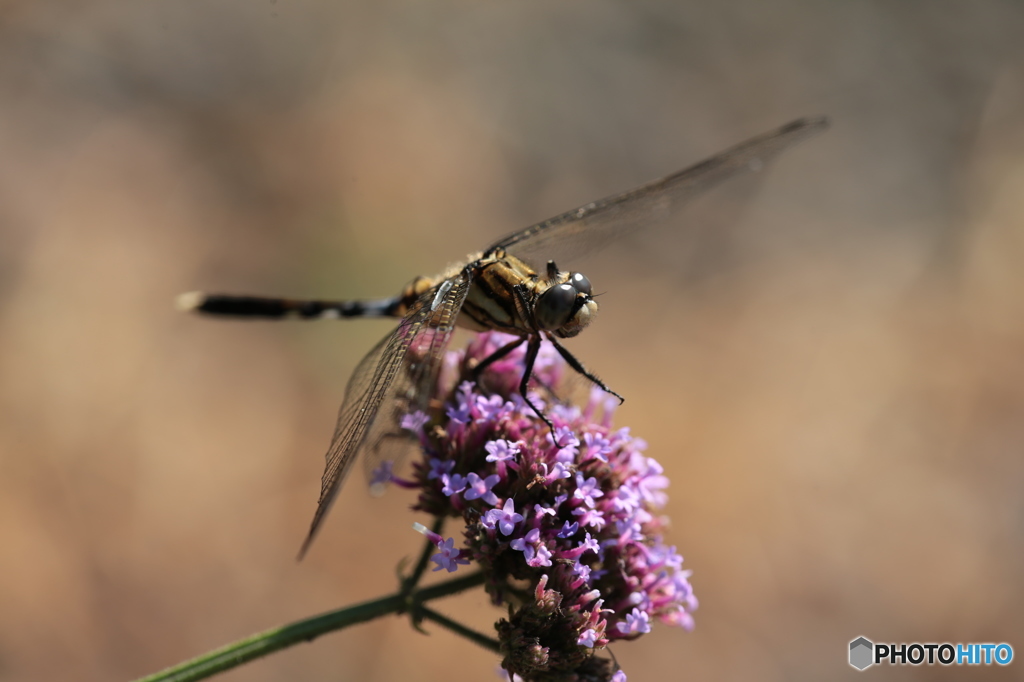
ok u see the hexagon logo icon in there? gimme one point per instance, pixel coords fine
(861, 653)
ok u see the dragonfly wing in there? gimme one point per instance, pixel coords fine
(394, 379)
(387, 442)
(591, 227)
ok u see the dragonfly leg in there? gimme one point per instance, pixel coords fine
(531, 356)
(499, 354)
(495, 356)
(578, 366)
(278, 308)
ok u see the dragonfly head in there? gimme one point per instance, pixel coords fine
(565, 307)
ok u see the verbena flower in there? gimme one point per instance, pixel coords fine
(562, 523)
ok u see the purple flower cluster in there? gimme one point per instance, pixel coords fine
(561, 522)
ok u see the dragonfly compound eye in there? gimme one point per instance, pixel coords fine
(579, 282)
(555, 306)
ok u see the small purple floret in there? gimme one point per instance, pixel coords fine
(637, 621)
(535, 553)
(480, 488)
(590, 517)
(415, 421)
(598, 447)
(448, 556)
(382, 473)
(490, 408)
(505, 518)
(587, 490)
(439, 468)
(541, 558)
(453, 484)
(569, 529)
(588, 638)
(501, 450)
(541, 510)
(591, 544)
(566, 442)
(559, 471)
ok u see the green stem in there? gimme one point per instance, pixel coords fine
(275, 639)
(486, 642)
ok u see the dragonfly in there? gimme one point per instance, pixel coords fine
(513, 286)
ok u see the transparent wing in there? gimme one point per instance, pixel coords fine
(395, 378)
(591, 227)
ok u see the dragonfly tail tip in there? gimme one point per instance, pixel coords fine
(189, 301)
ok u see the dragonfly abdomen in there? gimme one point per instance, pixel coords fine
(277, 308)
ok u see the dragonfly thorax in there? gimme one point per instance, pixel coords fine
(508, 295)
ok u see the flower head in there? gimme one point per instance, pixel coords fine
(569, 510)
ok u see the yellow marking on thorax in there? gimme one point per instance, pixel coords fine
(491, 302)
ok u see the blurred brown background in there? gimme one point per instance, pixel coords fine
(828, 359)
